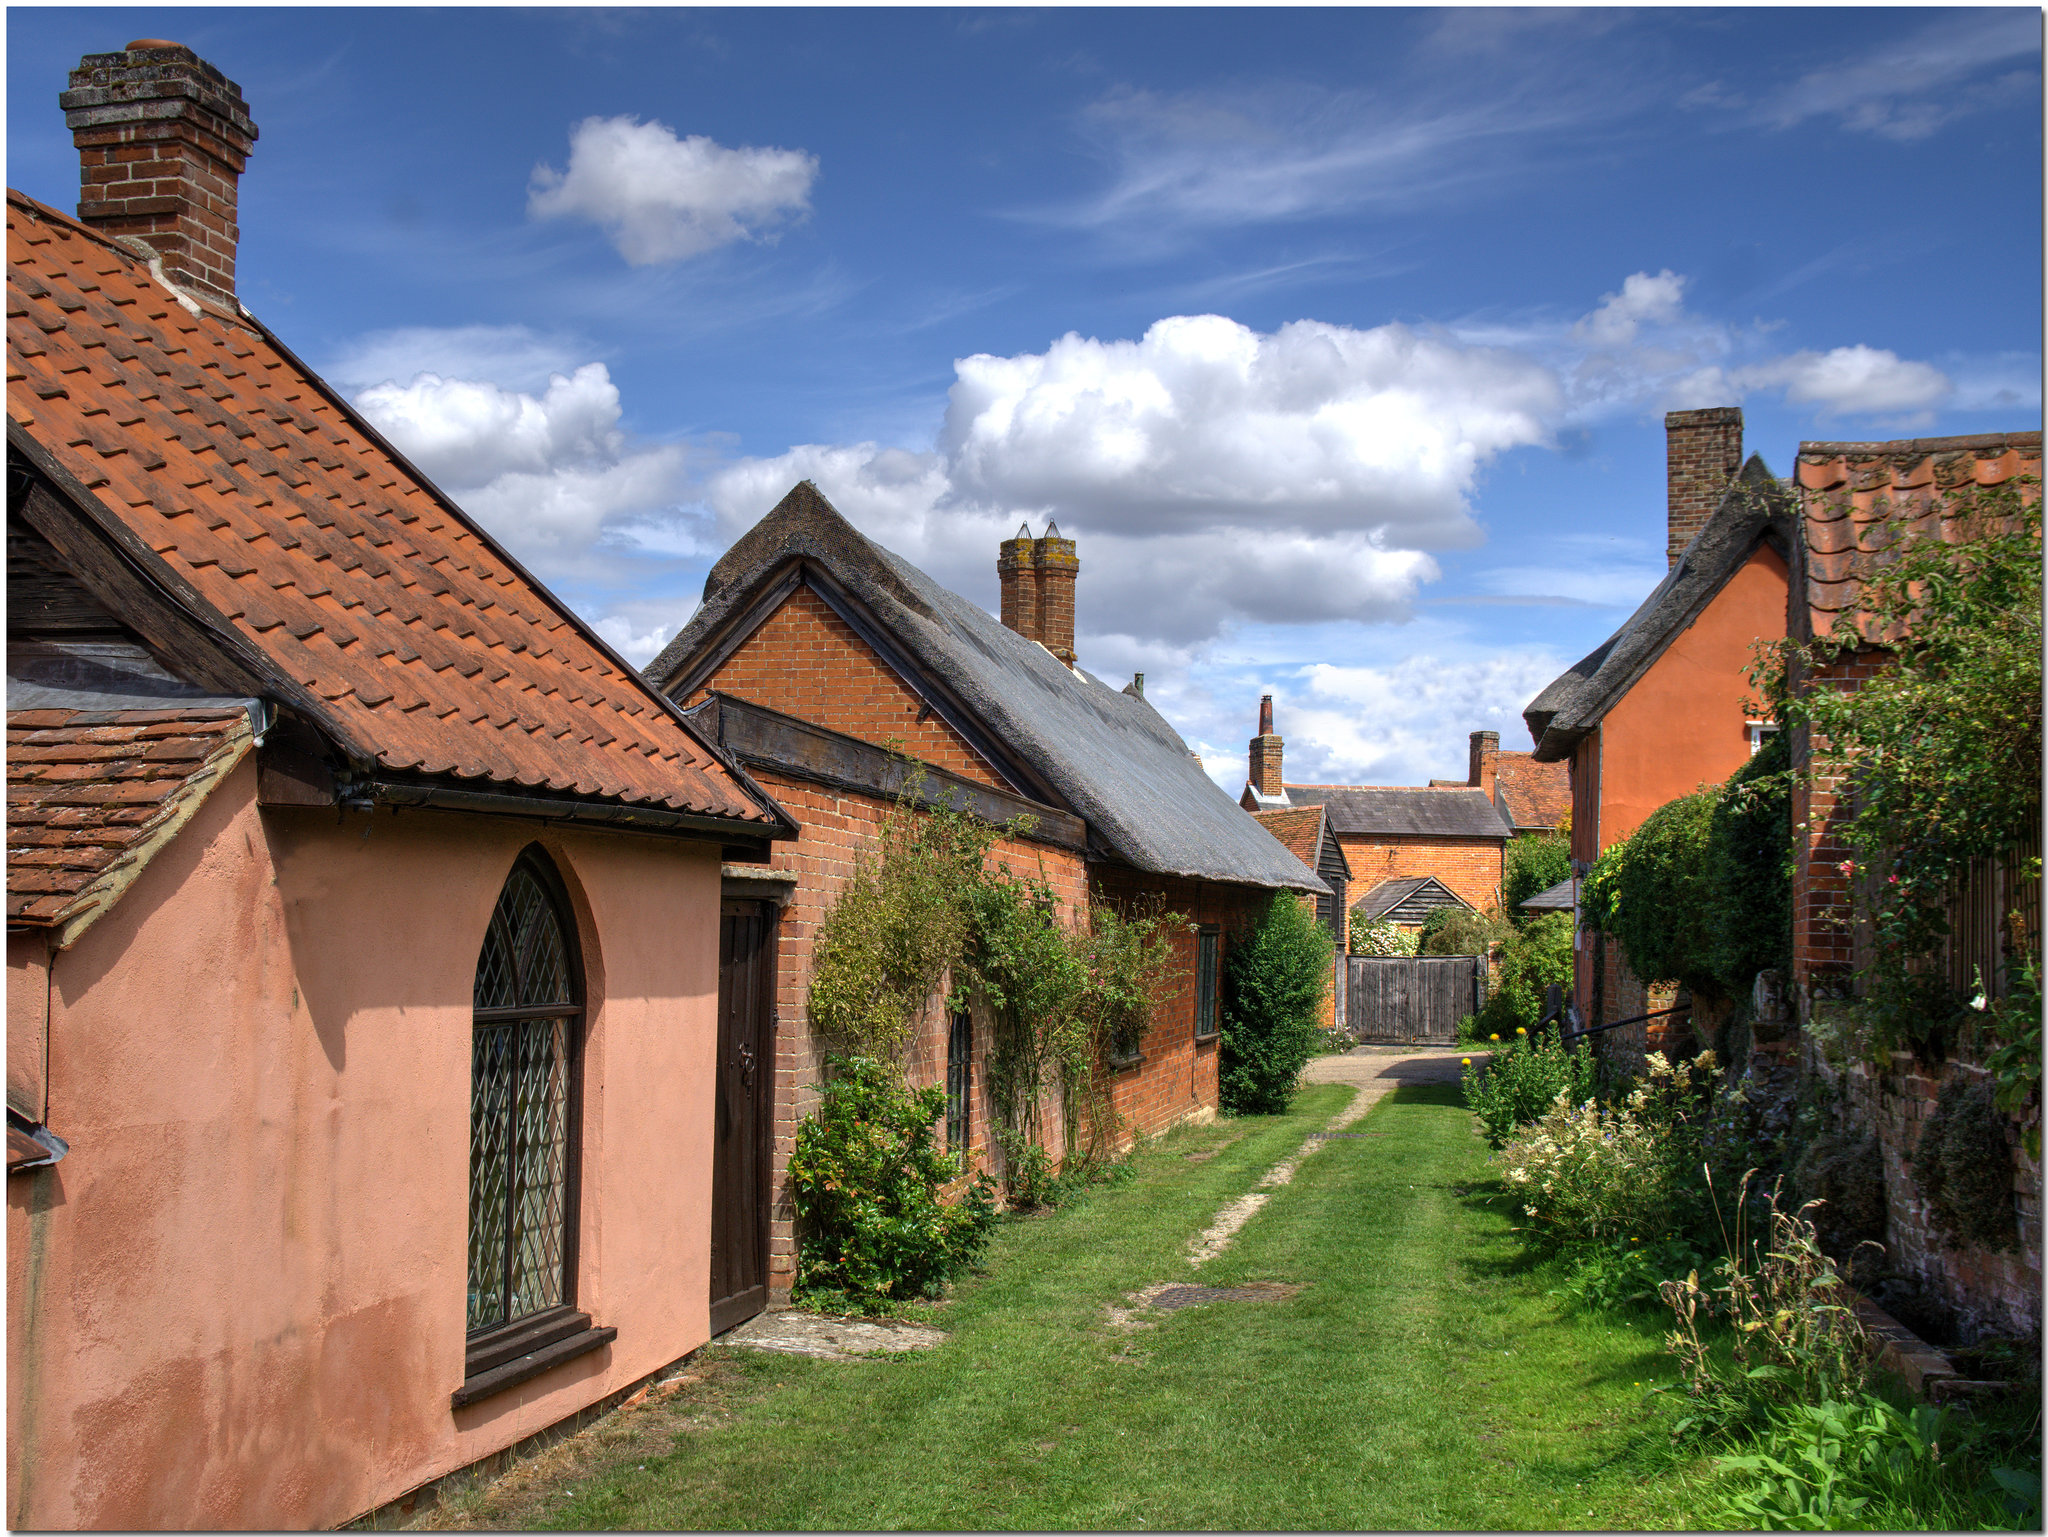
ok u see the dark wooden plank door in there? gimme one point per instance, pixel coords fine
(739, 1160)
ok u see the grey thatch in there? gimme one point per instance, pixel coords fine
(1061, 735)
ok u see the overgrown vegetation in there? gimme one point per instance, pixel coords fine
(1530, 865)
(1380, 936)
(1535, 959)
(1524, 1081)
(1941, 752)
(865, 1176)
(1275, 981)
(1064, 994)
(1462, 931)
(1963, 1165)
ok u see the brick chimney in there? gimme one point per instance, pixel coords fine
(162, 138)
(1037, 577)
(1265, 752)
(1702, 453)
(1485, 761)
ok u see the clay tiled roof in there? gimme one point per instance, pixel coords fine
(1299, 831)
(1535, 794)
(1856, 499)
(92, 795)
(289, 528)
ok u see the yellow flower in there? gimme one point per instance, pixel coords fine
(1467, 1061)
(1521, 1030)
(1493, 1037)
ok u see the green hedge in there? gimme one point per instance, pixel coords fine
(1274, 983)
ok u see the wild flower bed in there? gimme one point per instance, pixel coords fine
(1628, 1198)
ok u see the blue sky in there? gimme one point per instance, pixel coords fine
(1338, 339)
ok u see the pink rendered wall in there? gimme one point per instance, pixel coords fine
(28, 973)
(240, 1300)
(1683, 723)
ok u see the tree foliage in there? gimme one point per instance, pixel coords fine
(1749, 870)
(1533, 864)
(1462, 931)
(1941, 752)
(1274, 983)
(1651, 892)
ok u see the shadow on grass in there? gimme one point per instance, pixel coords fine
(1426, 1093)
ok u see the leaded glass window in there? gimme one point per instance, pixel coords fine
(959, 1084)
(1208, 945)
(527, 1007)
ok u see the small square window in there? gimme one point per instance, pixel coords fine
(1760, 732)
(1208, 945)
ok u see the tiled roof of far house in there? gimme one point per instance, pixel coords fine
(1856, 499)
(1109, 756)
(260, 501)
(1535, 794)
(1755, 508)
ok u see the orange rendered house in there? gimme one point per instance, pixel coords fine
(1663, 706)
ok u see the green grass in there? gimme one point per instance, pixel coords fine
(1423, 1378)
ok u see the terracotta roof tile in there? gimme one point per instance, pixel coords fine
(1299, 831)
(91, 795)
(1858, 499)
(219, 451)
(1536, 794)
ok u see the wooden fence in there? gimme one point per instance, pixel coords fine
(1412, 1000)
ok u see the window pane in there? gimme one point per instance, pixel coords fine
(540, 1158)
(1205, 986)
(490, 1123)
(959, 1068)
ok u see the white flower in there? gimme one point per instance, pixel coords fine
(1977, 1003)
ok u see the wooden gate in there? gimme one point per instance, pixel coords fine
(1412, 1000)
(739, 1160)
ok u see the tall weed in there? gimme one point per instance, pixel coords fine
(1523, 1081)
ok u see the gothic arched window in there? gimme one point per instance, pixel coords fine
(522, 1107)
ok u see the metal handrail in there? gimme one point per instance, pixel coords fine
(1683, 1008)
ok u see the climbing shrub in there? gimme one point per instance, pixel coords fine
(1942, 748)
(865, 1177)
(1838, 1180)
(1748, 873)
(1532, 864)
(1274, 984)
(898, 926)
(1651, 892)
(1462, 931)
(1380, 936)
(1963, 1165)
(1534, 959)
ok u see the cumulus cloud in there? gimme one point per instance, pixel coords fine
(1205, 422)
(1855, 380)
(661, 199)
(1618, 316)
(544, 472)
(516, 357)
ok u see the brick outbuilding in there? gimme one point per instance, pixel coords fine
(818, 657)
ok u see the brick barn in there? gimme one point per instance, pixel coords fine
(816, 653)
(1455, 835)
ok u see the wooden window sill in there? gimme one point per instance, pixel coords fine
(523, 1351)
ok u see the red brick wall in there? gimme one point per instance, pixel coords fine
(807, 662)
(1703, 452)
(1820, 891)
(1469, 866)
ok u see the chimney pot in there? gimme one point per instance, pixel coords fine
(1265, 749)
(180, 133)
(1057, 569)
(1485, 761)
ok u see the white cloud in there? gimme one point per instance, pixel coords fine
(1910, 89)
(1204, 422)
(1853, 380)
(546, 473)
(513, 356)
(661, 199)
(1616, 319)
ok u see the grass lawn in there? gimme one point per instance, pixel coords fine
(1422, 1378)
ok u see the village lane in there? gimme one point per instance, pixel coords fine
(1365, 1351)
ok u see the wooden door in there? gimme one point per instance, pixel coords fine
(739, 1161)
